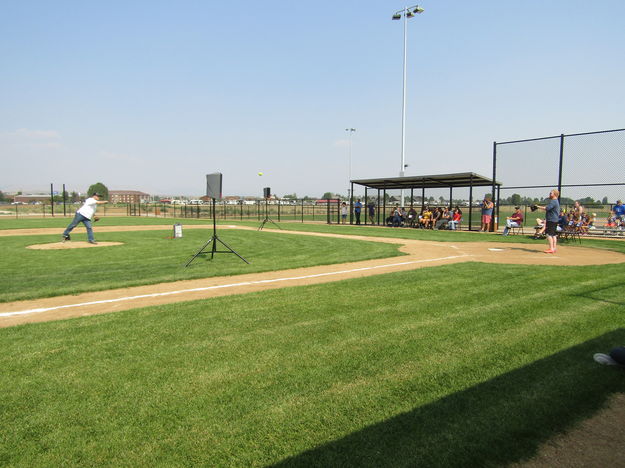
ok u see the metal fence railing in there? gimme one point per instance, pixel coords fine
(582, 166)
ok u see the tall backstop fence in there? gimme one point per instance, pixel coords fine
(582, 166)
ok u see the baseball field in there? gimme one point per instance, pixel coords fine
(334, 346)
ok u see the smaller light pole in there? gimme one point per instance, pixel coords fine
(349, 140)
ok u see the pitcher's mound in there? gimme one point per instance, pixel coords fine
(71, 245)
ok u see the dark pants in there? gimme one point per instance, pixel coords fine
(618, 354)
(357, 213)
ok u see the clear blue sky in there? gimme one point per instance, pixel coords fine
(152, 95)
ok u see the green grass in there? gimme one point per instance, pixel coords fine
(149, 257)
(439, 367)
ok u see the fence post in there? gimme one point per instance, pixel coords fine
(52, 200)
(338, 211)
(384, 204)
(328, 210)
(560, 168)
(470, 202)
(492, 222)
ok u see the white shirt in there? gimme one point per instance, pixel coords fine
(88, 208)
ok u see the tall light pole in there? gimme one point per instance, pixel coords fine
(407, 12)
(349, 140)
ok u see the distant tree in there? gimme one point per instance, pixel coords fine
(74, 197)
(587, 201)
(3, 197)
(100, 188)
(515, 199)
(604, 201)
(328, 195)
(290, 196)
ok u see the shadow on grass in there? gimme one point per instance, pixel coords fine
(588, 294)
(492, 424)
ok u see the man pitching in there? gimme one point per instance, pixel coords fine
(84, 215)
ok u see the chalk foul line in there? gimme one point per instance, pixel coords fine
(222, 286)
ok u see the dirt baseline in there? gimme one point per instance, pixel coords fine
(419, 254)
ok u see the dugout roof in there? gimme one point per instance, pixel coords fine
(459, 179)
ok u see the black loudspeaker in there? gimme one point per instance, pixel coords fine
(213, 185)
(267, 192)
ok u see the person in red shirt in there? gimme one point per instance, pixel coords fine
(516, 220)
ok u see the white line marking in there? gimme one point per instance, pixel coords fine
(233, 285)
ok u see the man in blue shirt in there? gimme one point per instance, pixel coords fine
(551, 220)
(357, 210)
(619, 209)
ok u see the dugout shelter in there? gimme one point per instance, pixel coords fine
(420, 183)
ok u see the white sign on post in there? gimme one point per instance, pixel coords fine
(177, 231)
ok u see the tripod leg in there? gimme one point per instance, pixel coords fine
(202, 250)
(230, 249)
(274, 223)
(214, 248)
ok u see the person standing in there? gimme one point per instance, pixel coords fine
(343, 213)
(619, 209)
(84, 215)
(357, 210)
(487, 214)
(371, 207)
(551, 220)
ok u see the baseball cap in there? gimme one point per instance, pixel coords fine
(96, 194)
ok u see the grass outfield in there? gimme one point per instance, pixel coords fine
(149, 257)
(440, 367)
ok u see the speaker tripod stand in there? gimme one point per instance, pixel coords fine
(214, 239)
(267, 218)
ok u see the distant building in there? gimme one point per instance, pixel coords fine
(332, 201)
(32, 198)
(127, 196)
